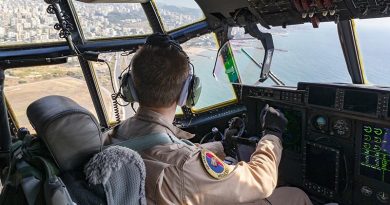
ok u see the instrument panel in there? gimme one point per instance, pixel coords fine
(360, 100)
(338, 139)
(336, 144)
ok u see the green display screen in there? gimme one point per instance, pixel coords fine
(375, 153)
(230, 65)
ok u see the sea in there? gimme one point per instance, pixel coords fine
(302, 54)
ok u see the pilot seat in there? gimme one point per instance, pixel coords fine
(88, 172)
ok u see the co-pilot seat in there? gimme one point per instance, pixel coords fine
(92, 174)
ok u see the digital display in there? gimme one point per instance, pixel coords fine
(321, 166)
(322, 96)
(358, 101)
(375, 153)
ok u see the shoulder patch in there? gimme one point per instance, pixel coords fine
(213, 165)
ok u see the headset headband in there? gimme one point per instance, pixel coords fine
(164, 41)
(191, 86)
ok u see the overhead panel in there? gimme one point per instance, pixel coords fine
(285, 12)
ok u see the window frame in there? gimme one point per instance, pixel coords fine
(218, 105)
(351, 50)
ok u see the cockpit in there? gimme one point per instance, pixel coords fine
(323, 63)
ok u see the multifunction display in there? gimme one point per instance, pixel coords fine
(318, 159)
(322, 96)
(375, 153)
(361, 101)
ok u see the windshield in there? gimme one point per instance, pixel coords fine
(176, 14)
(373, 37)
(107, 20)
(302, 54)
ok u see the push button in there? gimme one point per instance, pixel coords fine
(366, 191)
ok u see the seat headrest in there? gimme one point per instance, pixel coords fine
(122, 173)
(71, 133)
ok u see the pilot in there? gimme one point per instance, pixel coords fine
(178, 172)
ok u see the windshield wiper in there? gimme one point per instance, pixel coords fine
(271, 75)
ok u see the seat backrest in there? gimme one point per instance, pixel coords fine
(122, 173)
(73, 136)
(70, 132)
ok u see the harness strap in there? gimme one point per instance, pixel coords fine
(148, 141)
(34, 180)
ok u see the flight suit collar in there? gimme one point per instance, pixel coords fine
(151, 116)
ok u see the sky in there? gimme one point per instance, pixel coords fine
(377, 23)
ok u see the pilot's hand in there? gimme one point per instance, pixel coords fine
(273, 121)
(235, 129)
(228, 142)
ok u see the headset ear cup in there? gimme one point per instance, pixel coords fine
(194, 91)
(184, 92)
(128, 90)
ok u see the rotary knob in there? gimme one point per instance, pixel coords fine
(366, 191)
(383, 197)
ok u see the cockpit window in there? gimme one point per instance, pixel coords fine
(304, 54)
(118, 63)
(24, 22)
(25, 85)
(373, 38)
(202, 52)
(176, 14)
(107, 20)
(310, 55)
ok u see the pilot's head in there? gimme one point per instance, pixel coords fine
(160, 69)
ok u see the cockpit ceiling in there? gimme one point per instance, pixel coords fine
(290, 12)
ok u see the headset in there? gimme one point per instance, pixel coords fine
(192, 86)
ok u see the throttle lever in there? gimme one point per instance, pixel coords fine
(246, 141)
(217, 135)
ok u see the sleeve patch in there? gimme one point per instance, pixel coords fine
(213, 165)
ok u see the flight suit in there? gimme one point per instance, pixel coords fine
(176, 174)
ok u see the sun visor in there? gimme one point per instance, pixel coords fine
(70, 132)
(114, 1)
